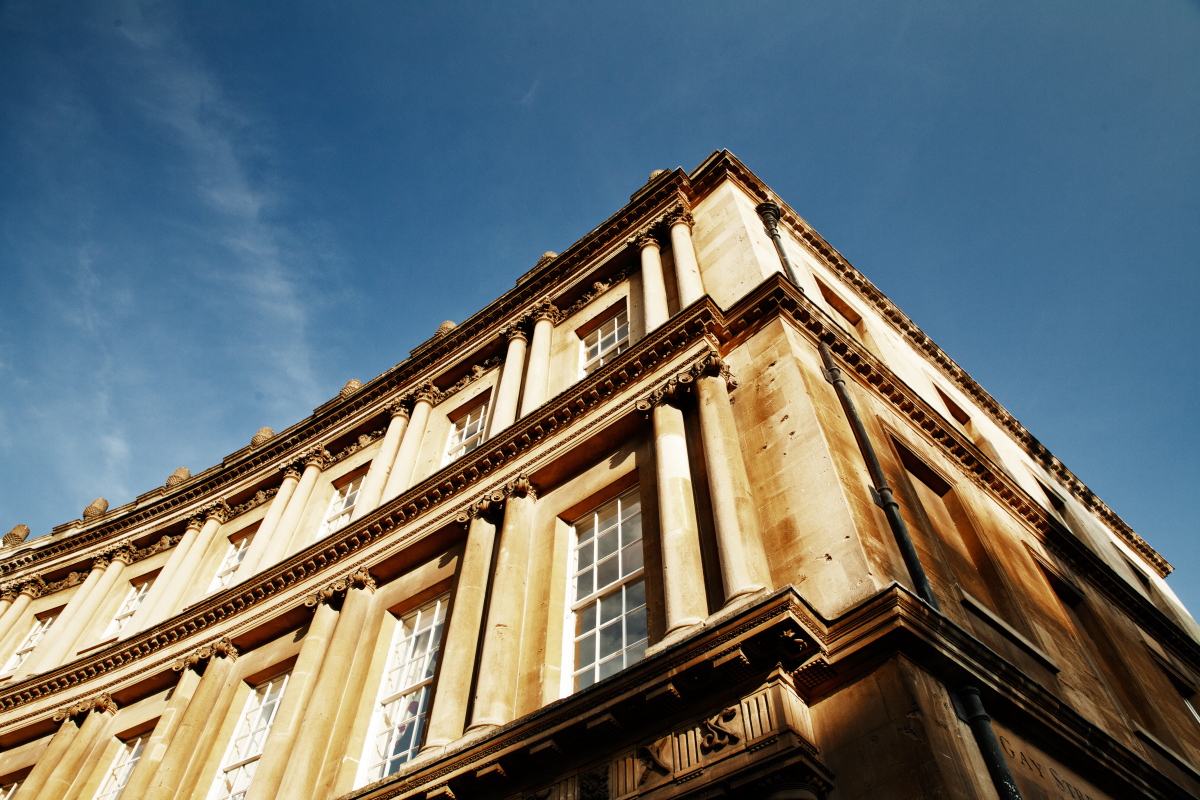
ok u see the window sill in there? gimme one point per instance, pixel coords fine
(1008, 632)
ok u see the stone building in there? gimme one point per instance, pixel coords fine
(691, 511)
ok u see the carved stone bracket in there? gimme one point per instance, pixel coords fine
(359, 579)
(101, 703)
(221, 648)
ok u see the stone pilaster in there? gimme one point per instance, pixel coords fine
(381, 466)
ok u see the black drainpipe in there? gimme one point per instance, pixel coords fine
(968, 703)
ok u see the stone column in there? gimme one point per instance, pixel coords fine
(75, 617)
(381, 466)
(152, 610)
(217, 660)
(654, 287)
(504, 411)
(93, 713)
(424, 399)
(330, 690)
(286, 727)
(60, 745)
(495, 695)
(448, 714)
(164, 732)
(744, 568)
(22, 595)
(280, 543)
(270, 522)
(537, 376)
(687, 271)
(176, 592)
(683, 571)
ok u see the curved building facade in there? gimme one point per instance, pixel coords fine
(692, 511)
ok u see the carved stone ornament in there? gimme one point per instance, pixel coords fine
(178, 476)
(444, 328)
(359, 579)
(218, 510)
(316, 456)
(547, 310)
(9, 591)
(654, 174)
(680, 215)
(717, 733)
(644, 239)
(714, 365)
(429, 393)
(515, 331)
(399, 408)
(291, 471)
(684, 381)
(34, 586)
(123, 551)
(352, 386)
(221, 648)
(263, 436)
(18, 534)
(492, 503)
(101, 703)
(96, 508)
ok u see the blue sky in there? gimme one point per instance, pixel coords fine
(212, 215)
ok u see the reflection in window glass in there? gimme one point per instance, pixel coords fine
(399, 718)
(341, 507)
(467, 433)
(608, 590)
(605, 343)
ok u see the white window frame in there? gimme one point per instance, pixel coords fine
(596, 337)
(407, 683)
(631, 651)
(234, 555)
(468, 429)
(122, 767)
(9, 790)
(246, 747)
(41, 624)
(341, 506)
(138, 589)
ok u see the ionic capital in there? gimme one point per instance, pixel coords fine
(359, 579)
(102, 703)
(712, 365)
(670, 392)
(520, 486)
(221, 648)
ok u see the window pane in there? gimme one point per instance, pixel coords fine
(587, 618)
(611, 639)
(635, 595)
(635, 626)
(586, 650)
(611, 667)
(606, 545)
(608, 572)
(584, 585)
(611, 607)
(631, 558)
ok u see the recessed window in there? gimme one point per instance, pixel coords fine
(954, 408)
(41, 624)
(399, 720)
(122, 767)
(134, 598)
(466, 431)
(341, 505)
(843, 309)
(9, 790)
(606, 341)
(235, 554)
(246, 748)
(608, 591)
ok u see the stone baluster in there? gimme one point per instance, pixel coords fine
(537, 376)
(424, 399)
(687, 270)
(744, 568)
(654, 287)
(95, 714)
(281, 542)
(448, 714)
(287, 725)
(163, 733)
(330, 690)
(176, 593)
(495, 696)
(75, 617)
(187, 745)
(683, 571)
(381, 465)
(508, 393)
(270, 521)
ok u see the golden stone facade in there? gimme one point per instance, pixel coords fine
(692, 511)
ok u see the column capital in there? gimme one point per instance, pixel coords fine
(516, 330)
(9, 591)
(218, 510)
(291, 470)
(359, 579)
(34, 586)
(713, 366)
(221, 648)
(102, 703)
(670, 392)
(428, 393)
(123, 552)
(546, 310)
(399, 408)
(770, 213)
(315, 456)
(520, 486)
(679, 215)
(644, 238)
